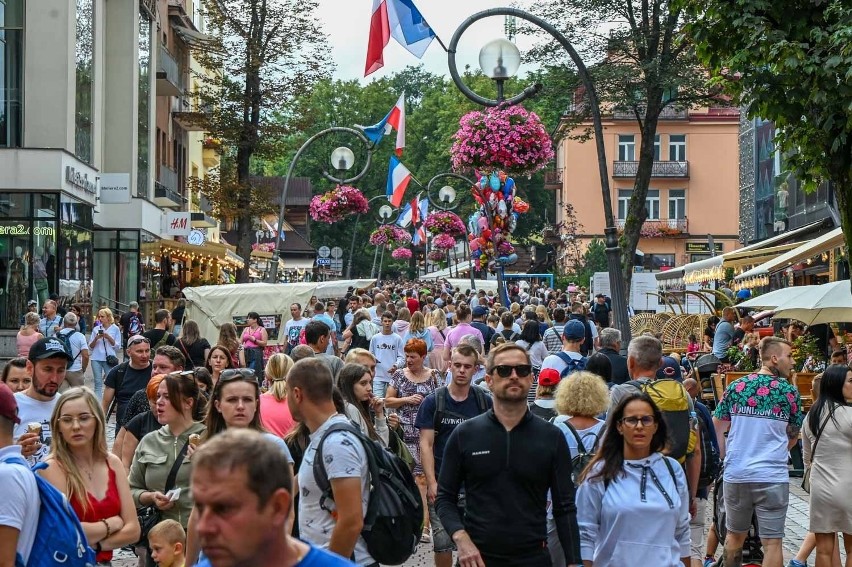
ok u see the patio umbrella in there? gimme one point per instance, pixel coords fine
(775, 298)
(827, 303)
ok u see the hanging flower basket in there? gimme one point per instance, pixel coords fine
(389, 235)
(437, 256)
(337, 204)
(443, 241)
(508, 138)
(401, 254)
(445, 222)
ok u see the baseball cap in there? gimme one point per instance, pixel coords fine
(48, 348)
(574, 329)
(479, 311)
(548, 377)
(32, 302)
(670, 369)
(8, 404)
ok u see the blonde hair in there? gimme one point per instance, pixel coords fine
(63, 456)
(438, 319)
(30, 319)
(277, 368)
(107, 312)
(543, 316)
(403, 314)
(170, 531)
(583, 394)
(515, 308)
(418, 322)
(355, 353)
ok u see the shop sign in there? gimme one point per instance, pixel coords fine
(177, 224)
(703, 247)
(26, 229)
(196, 237)
(80, 180)
(115, 188)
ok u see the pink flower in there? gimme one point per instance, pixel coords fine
(752, 402)
(773, 384)
(401, 254)
(791, 397)
(763, 391)
(335, 205)
(740, 386)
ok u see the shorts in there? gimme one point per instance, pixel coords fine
(442, 542)
(767, 501)
(696, 529)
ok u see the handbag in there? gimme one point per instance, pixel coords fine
(398, 447)
(806, 478)
(149, 516)
(111, 359)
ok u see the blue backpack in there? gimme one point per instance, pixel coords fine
(60, 539)
(571, 364)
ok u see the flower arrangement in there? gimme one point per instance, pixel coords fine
(437, 256)
(507, 137)
(650, 230)
(389, 235)
(335, 205)
(807, 354)
(445, 222)
(264, 246)
(443, 241)
(211, 143)
(401, 254)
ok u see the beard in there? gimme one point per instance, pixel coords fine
(513, 393)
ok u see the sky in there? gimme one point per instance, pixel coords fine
(347, 24)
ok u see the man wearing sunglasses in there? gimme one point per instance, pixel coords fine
(507, 460)
(128, 377)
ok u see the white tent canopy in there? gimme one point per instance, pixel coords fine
(775, 298)
(337, 289)
(827, 303)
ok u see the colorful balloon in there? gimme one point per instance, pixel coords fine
(494, 181)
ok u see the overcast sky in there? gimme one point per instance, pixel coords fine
(347, 24)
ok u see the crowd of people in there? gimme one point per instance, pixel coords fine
(532, 440)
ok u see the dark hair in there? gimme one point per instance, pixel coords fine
(611, 450)
(830, 396)
(507, 320)
(161, 315)
(559, 315)
(531, 332)
(314, 331)
(351, 374)
(253, 315)
(183, 387)
(174, 355)
(601, 365)
(214, 420)
(222, 348)
(313, 377)
(462, 311)
(203, 375)
(19, 362)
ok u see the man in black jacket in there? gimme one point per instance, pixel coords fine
(507, 460)
(611, 348)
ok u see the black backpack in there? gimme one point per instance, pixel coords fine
(65, 339)
(584, 456)
(711, 464)
(394, 520)
(441, 406)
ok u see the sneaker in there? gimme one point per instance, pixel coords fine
(796, 563)
(709, 561)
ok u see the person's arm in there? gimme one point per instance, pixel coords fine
(84, 359)
(682, 533)
(564, 506)
(721, 426)
(129, 532)
(191, 552)
(794, 427)
(589, 506)
(693, 470)
(807, 446)
(8, 545)
(119, 443)
(128, 448)
(427, 461)
(449, 484)
(350, 517)
(109, 394)
(391, 401)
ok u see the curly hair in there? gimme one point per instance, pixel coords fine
(584, 394)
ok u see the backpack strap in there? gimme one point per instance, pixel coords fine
(321, 475)
(120, 371)
(580, 446)
(440, 407)
(186, 352)
(569, 362)
(68, 336)
(479, 394)
(671, 470)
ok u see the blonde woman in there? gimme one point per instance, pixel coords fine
(28, 335)
(229, 339)
(275, 414)
(104, 342)
(93, 479)
(417, 330)
(543, 316)
(437, 330)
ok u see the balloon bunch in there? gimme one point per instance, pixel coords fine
(490, 228)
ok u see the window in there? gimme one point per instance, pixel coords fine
(656, 262)
(677, 147)
(657, 147)
(11, 72)
(626, 147)
(677, 204)
(652, 203)
(143, 139)
(85, 71)
(623, 202)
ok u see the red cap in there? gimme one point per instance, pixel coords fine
(8, 404)
(548, 377)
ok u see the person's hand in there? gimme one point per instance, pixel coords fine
(415, 399)
(431, 491)
(190, 449)
(162, 502)
(115, 524)
(30, 443)
(693, 508)
(393, 420)
(378, 405)
(468, 553)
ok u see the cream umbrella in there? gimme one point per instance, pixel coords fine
(827, 303)
(775, 298)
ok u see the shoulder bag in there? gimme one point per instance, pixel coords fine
(149, 516)
(806, 479)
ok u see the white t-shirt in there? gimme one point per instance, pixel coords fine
(30, 411)
(78, 344)
(293, 328)
(344, 457)
(19, 508)
(102, 347)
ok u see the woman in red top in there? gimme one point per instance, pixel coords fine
(93, 479)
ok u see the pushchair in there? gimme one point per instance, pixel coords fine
(752, 548)
(703, 367)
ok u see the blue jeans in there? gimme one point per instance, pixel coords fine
(100, 369)
(380, 388)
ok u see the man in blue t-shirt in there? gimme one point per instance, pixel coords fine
(724, 336)
(461, 401)
(242, 487)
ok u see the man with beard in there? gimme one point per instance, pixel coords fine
(507, 460)
(47, 364)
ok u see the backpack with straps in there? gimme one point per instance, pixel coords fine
(673, 401)
(59, 539)
(65, 339)
(584, 456)
(134, 325)
(571, 364)
(164, 340)
(711, 464)
(441, 406)
(394, 518)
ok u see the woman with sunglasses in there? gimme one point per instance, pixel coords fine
(95, 481)
(179, 408)
(218, 360)
(633, 502)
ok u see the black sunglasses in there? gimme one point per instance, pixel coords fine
(505, 370)
(137, 339)
(234, 373)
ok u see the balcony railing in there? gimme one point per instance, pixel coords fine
(166, 189)
(658, 169)
(553, 178)
(660, 228)
(169, 76)
(668, 113)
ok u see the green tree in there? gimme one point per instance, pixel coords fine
(789, 62)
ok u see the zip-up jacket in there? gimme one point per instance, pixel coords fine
(506, 476)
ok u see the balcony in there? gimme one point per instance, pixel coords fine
(210, 157)
(202, 220)
(660, 228)
(166, 189)
(191, 117)
(169, 76)
(660, 169)
(553, 179)
(179, 15)
(668, 113)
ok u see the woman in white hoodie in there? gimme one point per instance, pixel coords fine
(633, 503)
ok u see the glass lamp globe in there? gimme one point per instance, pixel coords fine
(342, 158)
(447, 194)
(499, 59)
(385, 211)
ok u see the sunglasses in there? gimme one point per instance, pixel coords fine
(137, 339)
(234, 373)
(183, 373)
(505, 370)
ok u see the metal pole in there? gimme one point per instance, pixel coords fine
(352, 248)
(375, 257)
(381, 259)
(469, 264)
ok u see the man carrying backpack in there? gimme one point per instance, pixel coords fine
(440, 413)
(77, 347)
(569, 359)
(131, 322)
(644, 360)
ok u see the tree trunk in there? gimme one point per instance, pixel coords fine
(843, 193)
(245, 221)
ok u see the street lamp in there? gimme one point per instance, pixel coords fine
(499, 59)
(355, 233)
(385, 212)
(490, 64)
(342, 159)
(447, 202)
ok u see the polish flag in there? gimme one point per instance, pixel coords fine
(402, 20)
(398, 178)
(393, 120)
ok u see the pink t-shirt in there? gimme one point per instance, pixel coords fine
(275, 416)
(460, 330)
(25, 342)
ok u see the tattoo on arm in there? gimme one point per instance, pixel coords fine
(793, 431)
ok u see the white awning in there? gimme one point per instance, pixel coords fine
(807, 250)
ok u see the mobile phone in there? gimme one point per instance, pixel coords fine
(100, 331)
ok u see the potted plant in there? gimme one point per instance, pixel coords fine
(335, 205)
(401, 254)
(443, 241)
(389, 235)
(735, 360)
(445, 222)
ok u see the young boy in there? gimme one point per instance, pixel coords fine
(387, 348)
(167, 541)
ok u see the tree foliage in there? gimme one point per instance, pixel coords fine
(789, 62)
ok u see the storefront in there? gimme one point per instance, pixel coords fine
(116, 276)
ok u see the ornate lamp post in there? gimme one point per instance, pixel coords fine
(342, 159)
(495, 59)
(354, 233)
(385, 214)
(447, 202)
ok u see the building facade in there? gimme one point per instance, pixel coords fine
(692, 200)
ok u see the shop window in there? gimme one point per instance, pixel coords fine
(658, 262)
(657, 147)
(11, 72)
(15, 205)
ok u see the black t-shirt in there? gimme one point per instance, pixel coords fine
(177, 314)
(739, 335)
(134, 380)
(124, 322)
(142, 425)
(194, 350)
(156, 335)
(487, 333)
